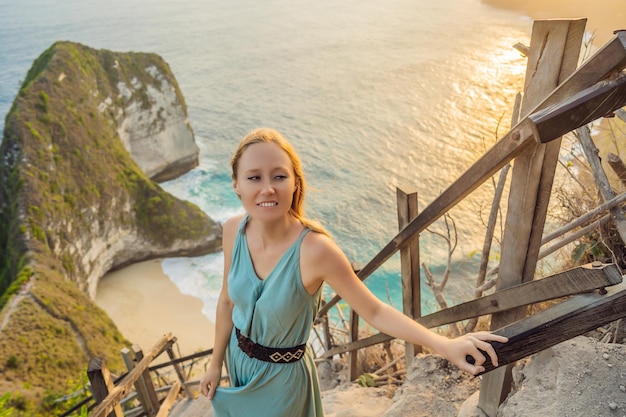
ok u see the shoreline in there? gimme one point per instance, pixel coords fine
(145, 304)
(603, 17)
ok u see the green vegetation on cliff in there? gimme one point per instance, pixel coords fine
(68, 190)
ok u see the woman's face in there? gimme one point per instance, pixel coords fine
(265, 181)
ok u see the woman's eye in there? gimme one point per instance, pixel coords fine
(254, 178)
(280, 177)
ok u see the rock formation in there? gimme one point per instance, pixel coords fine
(154, 129)
(86, 132)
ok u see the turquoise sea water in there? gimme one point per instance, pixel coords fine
(373, 94)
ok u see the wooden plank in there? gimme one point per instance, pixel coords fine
(574, 236)
(409, 267)
(116, 394)
(151, 394)
(102, 385)
(479, 289)
(140, 386)
(585, 218)
(580, 109)
(179, 371)
(575, 281)
(360, 344)
(168, 402)
(610, 58)
(571, 318)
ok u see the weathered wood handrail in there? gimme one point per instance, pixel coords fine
(611, 58)
(568, 319)
(181, 360)
(574, 281)
(583, 107)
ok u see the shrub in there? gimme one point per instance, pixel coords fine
(12, 362)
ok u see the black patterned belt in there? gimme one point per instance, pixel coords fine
(269, 354)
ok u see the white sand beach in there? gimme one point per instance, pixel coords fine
(145, 304)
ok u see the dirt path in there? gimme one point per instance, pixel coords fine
(24, 292)
(200, 407)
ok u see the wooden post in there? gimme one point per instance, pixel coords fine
(140, 385)
(616, 163)
(553, 55)
(151, 394)
(102, 384)
(410, 267)
(493, 216)
(602, 181)
(328, 341)
(353, 356)
(179, 372)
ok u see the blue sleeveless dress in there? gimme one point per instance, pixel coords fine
(276, 312)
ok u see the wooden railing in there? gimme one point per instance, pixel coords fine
(139, 382)
(593, 90)
(582, 85)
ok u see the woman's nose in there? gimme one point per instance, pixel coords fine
(268, 188)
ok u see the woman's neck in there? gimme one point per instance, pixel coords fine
(273, 232)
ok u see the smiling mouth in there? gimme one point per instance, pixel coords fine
(269, 204)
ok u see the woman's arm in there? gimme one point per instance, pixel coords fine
(223, 315)
(324, 261)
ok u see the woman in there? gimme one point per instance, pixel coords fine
(275, 264)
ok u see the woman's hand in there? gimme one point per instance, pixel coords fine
(456, 350)
(210, 381)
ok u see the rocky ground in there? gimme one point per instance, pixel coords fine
(579, 377)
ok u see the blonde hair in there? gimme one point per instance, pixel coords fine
(265, 135)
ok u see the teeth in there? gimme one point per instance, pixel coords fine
(268, 204)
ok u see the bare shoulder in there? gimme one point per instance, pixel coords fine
(229, 230)
(317, 245)
(232, 224)
(322, 254)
